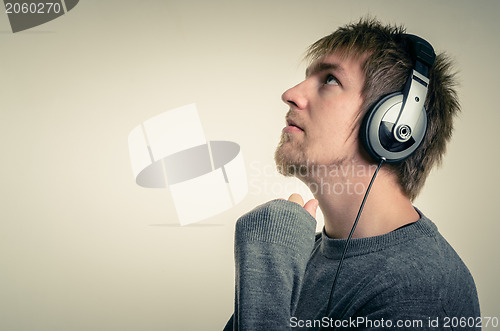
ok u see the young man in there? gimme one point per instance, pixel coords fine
(398, 271)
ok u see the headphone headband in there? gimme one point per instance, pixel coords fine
(422, 54)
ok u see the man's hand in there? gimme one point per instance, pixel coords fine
(311, 206)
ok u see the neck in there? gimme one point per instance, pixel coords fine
(340, 195)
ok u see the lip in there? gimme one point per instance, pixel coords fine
(290, 129)
(291, 126)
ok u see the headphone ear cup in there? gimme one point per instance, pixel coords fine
(376, 132)
(369, 125)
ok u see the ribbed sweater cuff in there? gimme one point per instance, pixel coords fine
(280, 222)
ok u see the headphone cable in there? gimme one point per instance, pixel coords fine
(350, 235)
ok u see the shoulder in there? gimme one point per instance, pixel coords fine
(425, 257)
(428, 270)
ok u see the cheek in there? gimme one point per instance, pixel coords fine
(339, 118)
(336, 127)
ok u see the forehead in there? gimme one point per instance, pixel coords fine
(343, 66)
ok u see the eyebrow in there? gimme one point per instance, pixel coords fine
(324, 66)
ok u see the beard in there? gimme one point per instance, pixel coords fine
(289, 156)
(293, 160)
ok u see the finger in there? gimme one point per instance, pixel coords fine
(296, 198)
(312, 206)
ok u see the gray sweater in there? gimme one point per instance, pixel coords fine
(410, 278)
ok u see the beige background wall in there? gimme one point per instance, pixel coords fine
(84, 248)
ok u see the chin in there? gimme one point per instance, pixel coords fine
(289, 158)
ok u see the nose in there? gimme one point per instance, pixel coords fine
(295, 96)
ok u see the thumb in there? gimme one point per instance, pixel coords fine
(295, 197)
(311, 206)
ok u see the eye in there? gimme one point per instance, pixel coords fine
(331, 80)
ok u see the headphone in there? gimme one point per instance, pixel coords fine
(395, 126)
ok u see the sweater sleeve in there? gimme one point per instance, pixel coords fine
(273, 243)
